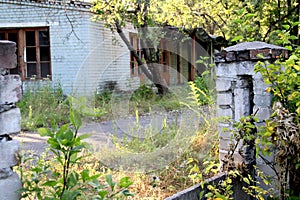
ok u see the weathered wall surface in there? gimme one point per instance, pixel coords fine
(83, 58)
(10, 94)
(241, 91)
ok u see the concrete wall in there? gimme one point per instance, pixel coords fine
(241, 91)
(83, 58)
(10, 94)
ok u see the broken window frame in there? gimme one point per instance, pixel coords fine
(37, 57)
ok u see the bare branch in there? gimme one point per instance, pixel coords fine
(72, 28)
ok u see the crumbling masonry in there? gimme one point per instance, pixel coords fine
(10, 94)
(241, 91)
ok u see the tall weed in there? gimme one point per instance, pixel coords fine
(43, 106)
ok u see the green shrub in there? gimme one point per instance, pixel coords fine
(43, 106)
(63, 173)
(103, 98)
(142, 93)
(201, 91)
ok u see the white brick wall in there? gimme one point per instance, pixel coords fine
(82, 60)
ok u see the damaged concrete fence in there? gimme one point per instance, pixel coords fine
(10, 94)
(240, 92)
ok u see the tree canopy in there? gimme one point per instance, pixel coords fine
(237, 20)
(273, 21)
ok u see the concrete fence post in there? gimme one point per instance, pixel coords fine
(10, 94)
(241, 91)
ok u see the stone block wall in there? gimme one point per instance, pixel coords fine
(241, 91)
(10, 94)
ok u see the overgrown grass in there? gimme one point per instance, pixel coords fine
(42, 106)
(156, 173)
(171, 146)
(169, 154)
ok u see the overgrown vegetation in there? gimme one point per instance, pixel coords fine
(43, 105)
(69, 171)
(66, 172)
(279, 138)
(281, 134)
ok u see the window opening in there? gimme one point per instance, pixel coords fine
(33, 51)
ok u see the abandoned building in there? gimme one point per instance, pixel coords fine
(58, 41)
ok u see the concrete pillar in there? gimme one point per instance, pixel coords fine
(10, 94)
(241, 91)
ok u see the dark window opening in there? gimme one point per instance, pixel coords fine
(44, 38)
(33, 51)
(30, 38)
(31, 70)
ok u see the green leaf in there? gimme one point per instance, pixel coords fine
(249, 15)
(95, 183)
(201, 194)
(237, 38)
(286, 26)
(70, 195)
(66, 138)
(110, 182)
(85, 174)
(205, 73)
(72, 180)
(45, 132)
(246, 180)
(102, 194)
(127, 193)
(50, 183)
(61, 131)
(293, 37)
(53, 143)
(75, 119)
(125, 182)
(260, 56)
(84, 136)
(288, 47)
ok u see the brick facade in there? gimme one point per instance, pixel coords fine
(83, 58)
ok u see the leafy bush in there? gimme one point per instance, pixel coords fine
(282, 128)
(43, 106)
(142, 93)
(283, 78)
(103, 98)
(63, 173)
(279, 137)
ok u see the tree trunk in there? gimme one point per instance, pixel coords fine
(152, 70)
(158, 80)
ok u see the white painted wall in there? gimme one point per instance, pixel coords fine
(84, 58)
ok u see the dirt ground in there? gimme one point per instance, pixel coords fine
(101, 132)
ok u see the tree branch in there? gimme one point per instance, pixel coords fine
(135, 55)
(271, 26)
